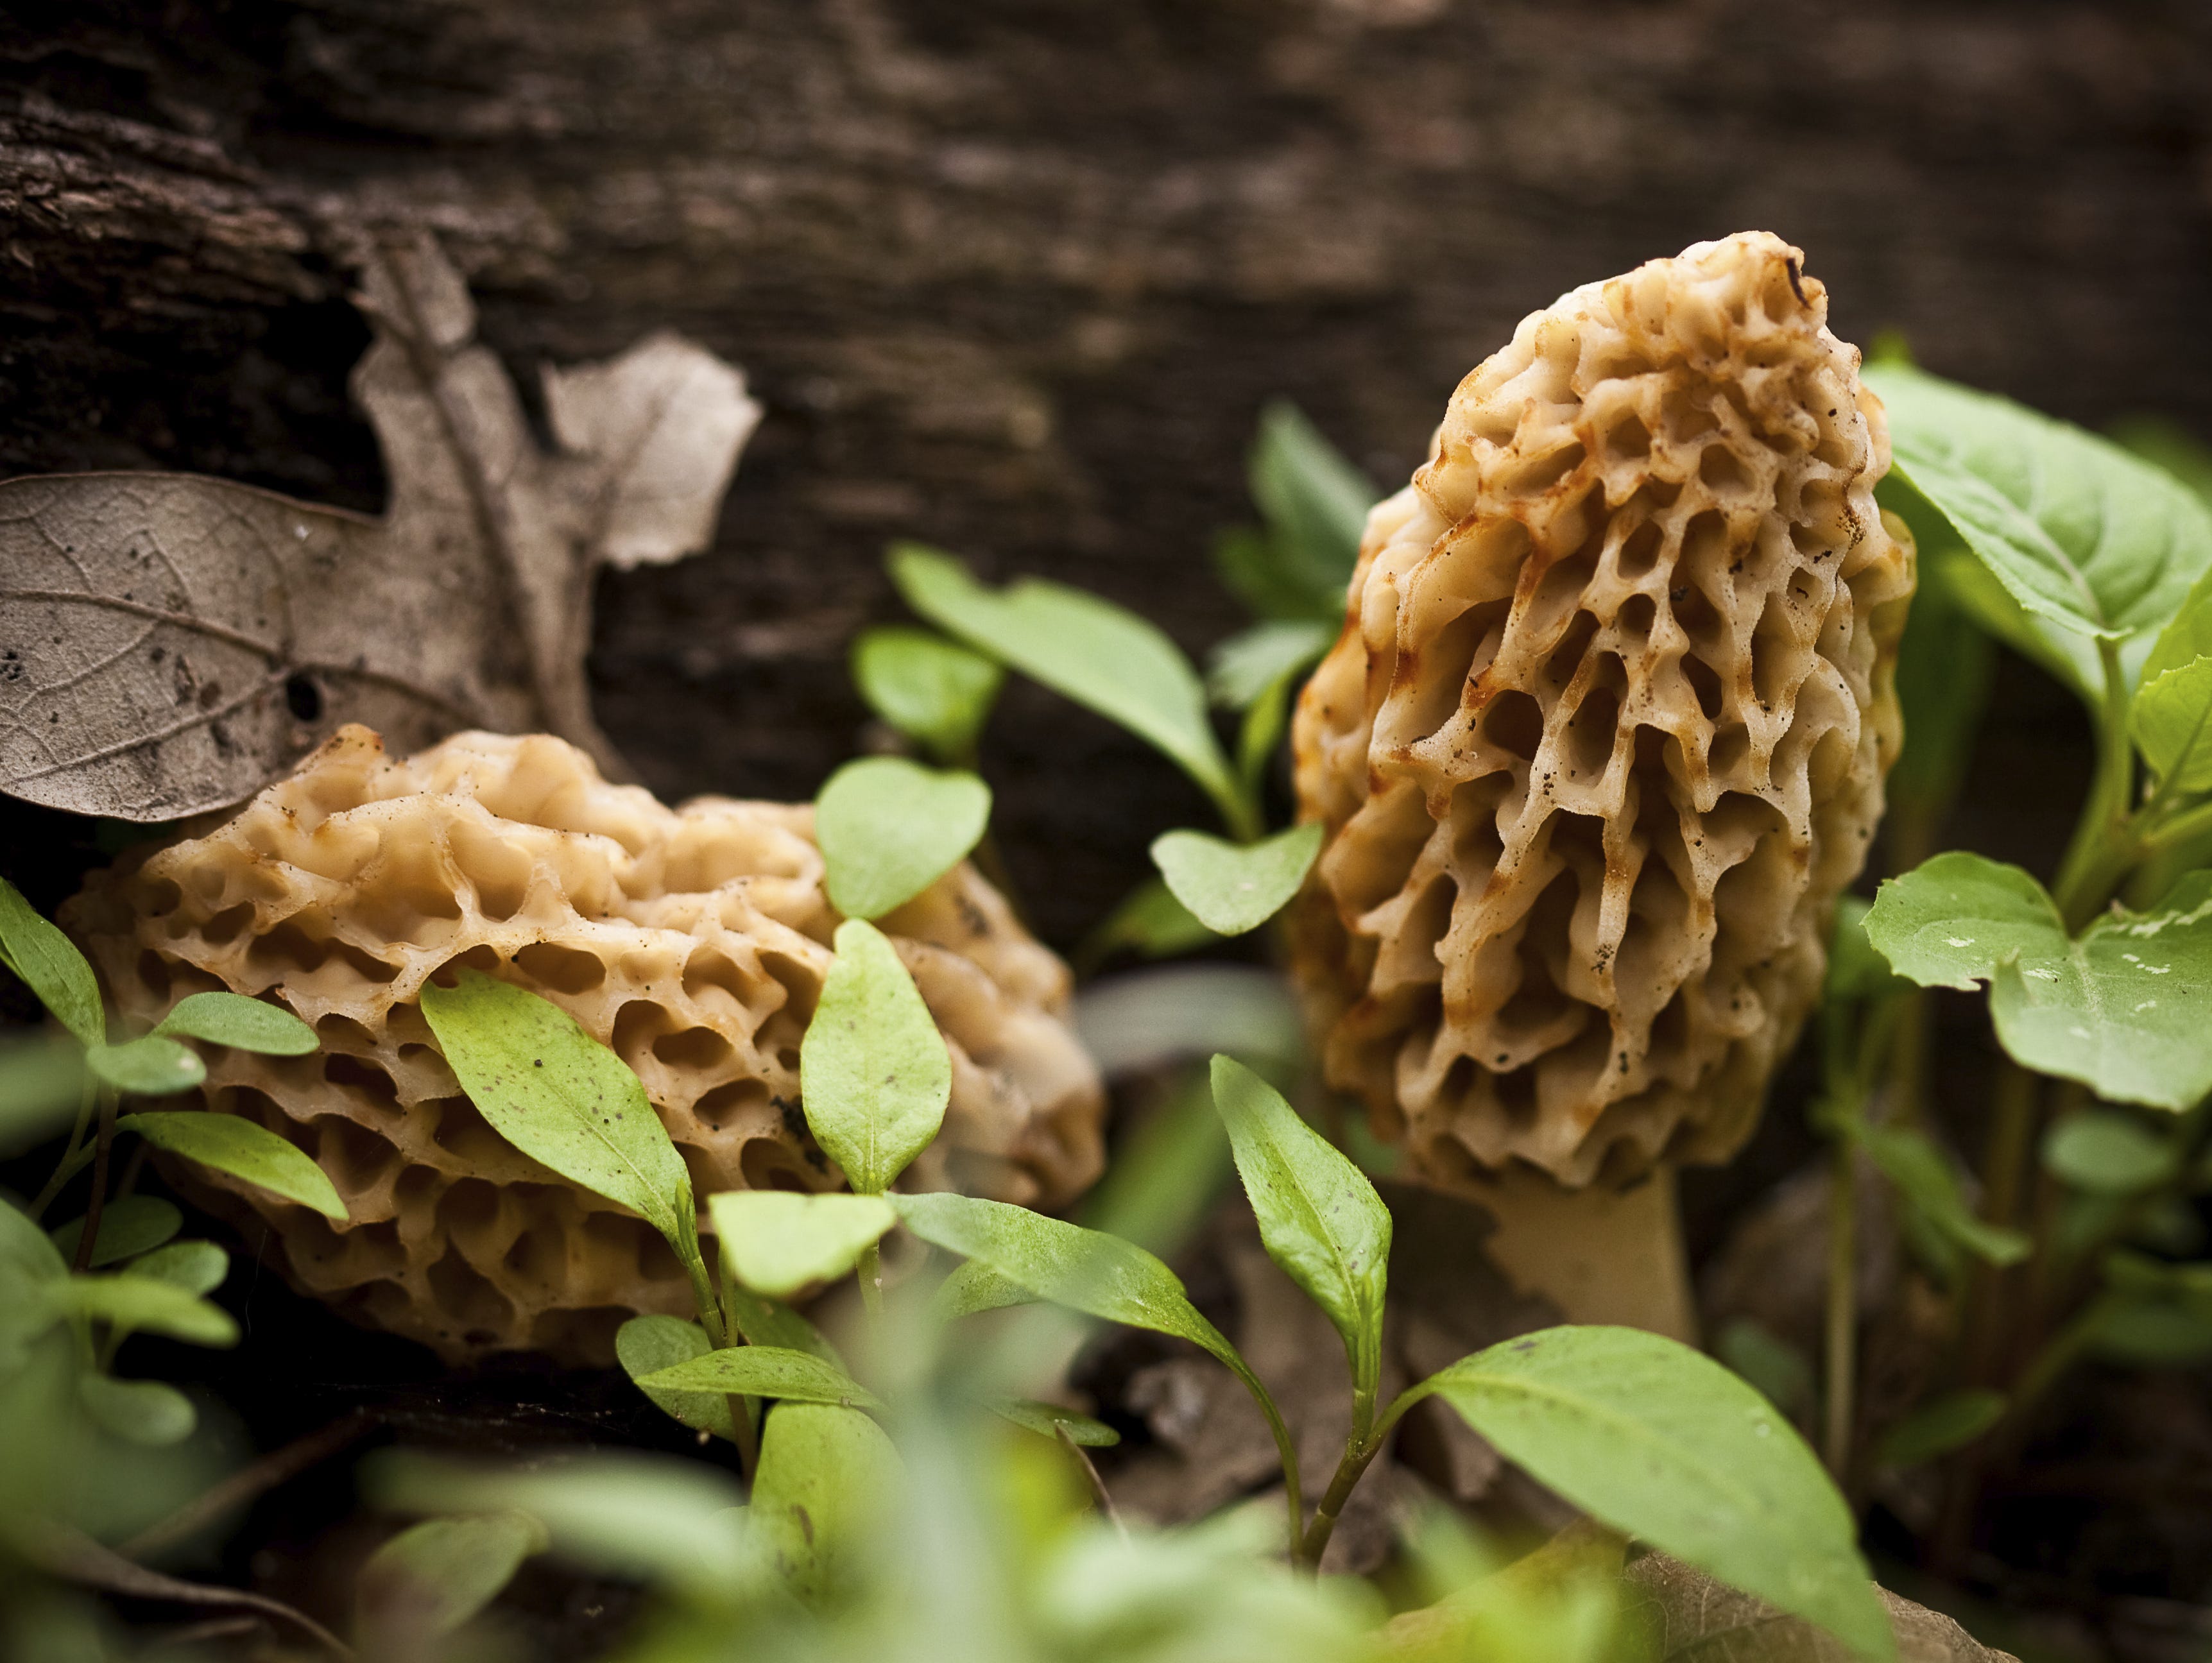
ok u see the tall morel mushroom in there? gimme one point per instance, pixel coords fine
(1604, 736)
(694, 941)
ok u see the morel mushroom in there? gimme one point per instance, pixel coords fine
(694, 941)
(1605, 734)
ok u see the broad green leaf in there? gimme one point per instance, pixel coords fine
(151, 1067)
(1319, 1217)
(1939, 1426)
(1315, 503)
(2188, 637)
(647, 1345)
(1087, 1270)
(889, 828)
(778, 1243)
(1104, 658)
(973, 1288)
(826, 1479)
(233, 1019)
(2189, 634)
(42, 1081)
(146, 1304)
(2106, 1152)
(1648, 1437)
(2122, 1008)
(1952, 920)
(560, 1097)
(49, 964)
(434, 1576)
(1231, 887)
(231, 1143)
(1150, 923)
(24, 1245)
(934, 691)
(197, 1267)
(765, 1371)
(2151, 1333)
(873, 1070)
(766, 1322)
(1244, 666)
(149, 1413)
(646, 1517)
(1048, 1419)
(2171, 722)
(2076, 529)
(1923, 1177)
(128, 1225)
(1855, 970)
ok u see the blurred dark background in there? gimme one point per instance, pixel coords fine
(1016, 275)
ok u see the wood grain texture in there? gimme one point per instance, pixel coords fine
(1016, 277)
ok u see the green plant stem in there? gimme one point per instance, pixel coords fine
(2106, 845)
(1358, 1453)
(741, 1429)
(68, 1163)
(1841, 1349)
(702, 1292)
(88, 1237)
(871, 1270)
(2004, 1163)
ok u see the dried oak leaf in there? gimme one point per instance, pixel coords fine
(170, 643)
(1692, 1618)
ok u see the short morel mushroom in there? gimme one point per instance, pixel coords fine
(1605, 734)
(694, 941)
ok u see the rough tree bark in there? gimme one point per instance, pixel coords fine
(1014, 276)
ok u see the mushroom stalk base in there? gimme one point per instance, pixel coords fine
(1600, 1255)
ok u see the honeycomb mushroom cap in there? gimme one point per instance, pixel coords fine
(1605, 733)
(693, 941)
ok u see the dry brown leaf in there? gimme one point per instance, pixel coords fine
(1692, 1618)
(170, 643)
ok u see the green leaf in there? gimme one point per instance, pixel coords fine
(2076, 529)
(2108, 1153)
(1048, 1419)
(825, 1480)
(765, 1322)
(645, 1345)
(639, 1516)
(1923, 1176)
(1314, 501)
(235, 1020)
(2122, 1009)
(1104, 658)
(1168, 1170)
(2171, 722)
(889, 828)
(2170, 445)
(1242, 668)
(1086, 1270)
(128, 1225)
(231, 1143)
(144, 1303)
(1319, 1217)
(560, 1097)
(42, 1081)
(1939, 1426)
(27, 1247)
(1150, 922)
(1648, 1437)
(434, 1576)
(936, 692)
(50, 965)
(1231, 887)
(197, 1267)
(147, 1412)
(873, 1069)
(151, 1067)
(765, 1371)
(779, 1243)
(973, 1288)
(1952, 920)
